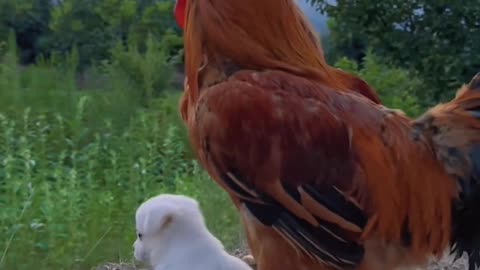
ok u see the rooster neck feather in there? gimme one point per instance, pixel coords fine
(258, 35)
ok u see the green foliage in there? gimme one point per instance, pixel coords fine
(117, 87)
(397, 87)
(344, 44)
(48, 28)
(156, 19)
(150, 71)
(51, 87)
(109, 21)
(439, 39)
(75, 163)
(29, 19)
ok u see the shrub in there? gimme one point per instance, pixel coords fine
(397, 87)
(148, 72)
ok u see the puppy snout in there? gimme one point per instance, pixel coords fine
(138, 252)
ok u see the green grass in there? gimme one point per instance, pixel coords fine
(75, 164)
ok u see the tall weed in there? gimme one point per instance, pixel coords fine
(79, 153)
(67, 205)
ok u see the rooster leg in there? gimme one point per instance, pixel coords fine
(270, 251)
(382, 256)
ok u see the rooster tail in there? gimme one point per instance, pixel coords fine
(453, 131)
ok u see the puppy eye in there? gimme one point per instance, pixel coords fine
(139, 236)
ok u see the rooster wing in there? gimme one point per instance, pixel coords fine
(276, 142)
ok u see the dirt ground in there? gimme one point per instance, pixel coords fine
(445, 264)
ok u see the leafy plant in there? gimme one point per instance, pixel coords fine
(438, 39)
(397, 87)
(149, 71)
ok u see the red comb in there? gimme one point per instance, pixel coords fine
(180, 7)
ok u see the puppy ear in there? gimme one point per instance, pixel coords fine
(157, 220)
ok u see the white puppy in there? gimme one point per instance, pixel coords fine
(171, 234)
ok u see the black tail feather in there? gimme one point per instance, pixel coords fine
(319, 242)
(324, 242)
(466, 215)
(337, 203)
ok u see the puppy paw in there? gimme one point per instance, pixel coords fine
(249, 260)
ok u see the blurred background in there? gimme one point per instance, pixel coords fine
(88, 110)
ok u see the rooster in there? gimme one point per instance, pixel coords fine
(323, 175)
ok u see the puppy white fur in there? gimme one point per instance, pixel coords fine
(171, 234)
